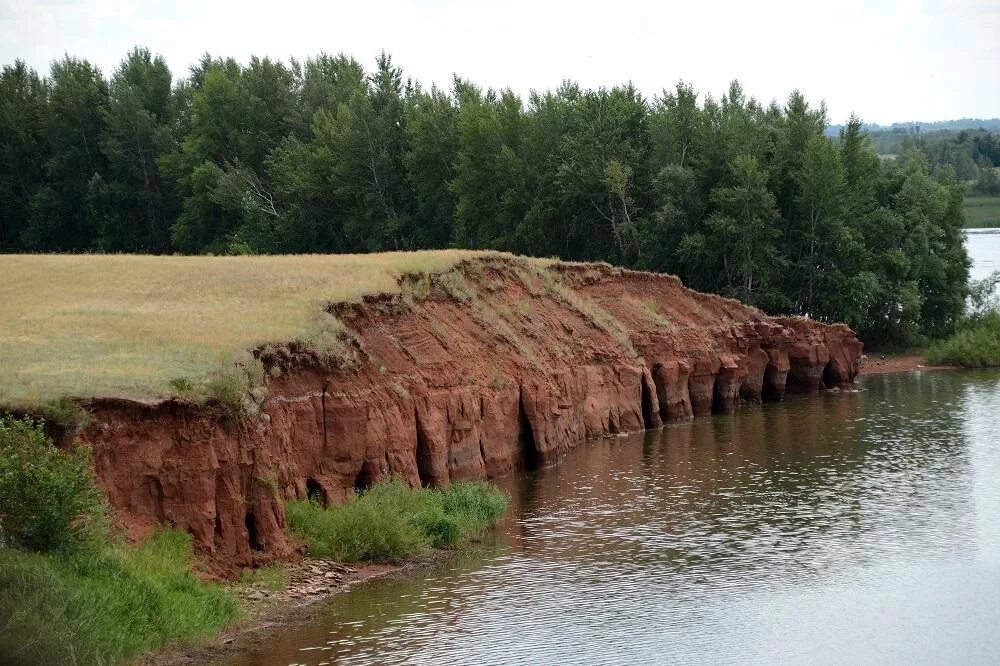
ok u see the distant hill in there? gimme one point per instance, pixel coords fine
(919, 127)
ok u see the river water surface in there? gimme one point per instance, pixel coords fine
(852, 528)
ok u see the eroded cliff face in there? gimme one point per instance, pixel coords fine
(497, 365)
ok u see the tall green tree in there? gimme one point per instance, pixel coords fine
(488, 184)
(74, 121)
(820, 240)
(361, 148)
(23, 148)
(130, 205)
(744, 229)
(237, 117)
(431, 139)
(604, 172)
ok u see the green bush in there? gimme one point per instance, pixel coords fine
(48, 499)
(475, 505)
(391, 521)
(106, 606)
(976, 344)
(68, 595)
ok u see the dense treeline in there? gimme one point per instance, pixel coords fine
(973, 154)
(739, 198)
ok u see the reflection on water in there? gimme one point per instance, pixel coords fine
(853, 528)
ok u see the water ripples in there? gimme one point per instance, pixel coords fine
(856, 528)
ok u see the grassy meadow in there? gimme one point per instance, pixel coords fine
(982, 212)
(126, 325)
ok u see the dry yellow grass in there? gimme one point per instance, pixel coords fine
(124, 325)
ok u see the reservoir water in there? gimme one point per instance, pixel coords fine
(852, 528)
(983, 246)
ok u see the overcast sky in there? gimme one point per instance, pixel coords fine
(887, 61)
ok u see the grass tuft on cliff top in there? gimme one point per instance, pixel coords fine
(138, 327)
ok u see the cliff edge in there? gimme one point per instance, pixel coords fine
(496, 364)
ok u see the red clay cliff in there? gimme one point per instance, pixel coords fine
(496, 365)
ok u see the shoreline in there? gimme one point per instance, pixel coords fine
(903, 363)
(310, 582)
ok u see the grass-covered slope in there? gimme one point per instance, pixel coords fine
(142, 326)
(70, 592)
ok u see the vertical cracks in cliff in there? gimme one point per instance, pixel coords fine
(252, 536)
(527, 448)
(648, 420)
(322, 400)
(829, 377)
(423, 453)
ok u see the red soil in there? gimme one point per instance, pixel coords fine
(451, 389)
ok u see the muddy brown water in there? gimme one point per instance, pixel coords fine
(845, 529)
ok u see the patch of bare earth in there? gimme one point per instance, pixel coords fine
(880, 365)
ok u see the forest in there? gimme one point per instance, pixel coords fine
(974, 154)
(746, 199)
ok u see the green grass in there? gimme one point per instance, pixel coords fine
(982, 212)
(269, 577)
(975, 345)
(391, 521)
(105, 607)
(145, 327)
(68, 593)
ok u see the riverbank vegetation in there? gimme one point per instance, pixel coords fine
(976, 343)
(391, 521)
(972, 152)
(739, 197)
(71, 593)
(74, 593)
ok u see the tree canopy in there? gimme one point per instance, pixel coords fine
(740, 198)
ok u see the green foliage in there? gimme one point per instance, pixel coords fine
(391, 521)
(63, 417)
(107, 606)
(735, 197)
(237, 391)
(49, 500)
(975, 345)
(132, 206)
(972, 152)
(69, 595)
(72, 125)
(23, 149)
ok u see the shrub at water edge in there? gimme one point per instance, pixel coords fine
(391, 521)
(975, 345)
